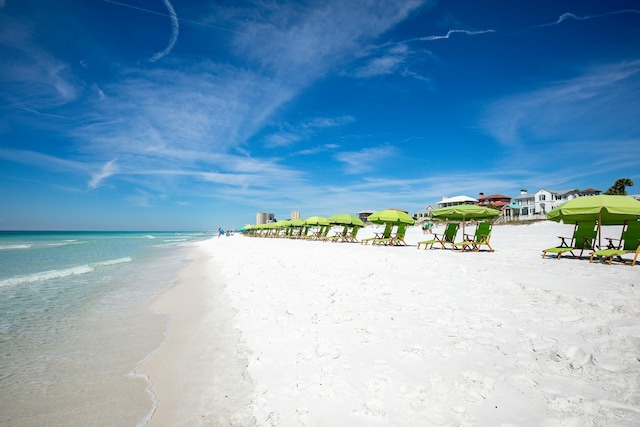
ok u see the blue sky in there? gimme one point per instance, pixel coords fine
(190, 115)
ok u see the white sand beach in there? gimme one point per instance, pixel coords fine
(279, 332)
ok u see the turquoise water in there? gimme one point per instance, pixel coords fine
(75, 324)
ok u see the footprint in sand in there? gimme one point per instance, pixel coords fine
(427, 400)
(474, 386)
(373, 408)
(412, 352)
(577, 357)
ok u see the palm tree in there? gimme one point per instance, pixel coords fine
(619, 187)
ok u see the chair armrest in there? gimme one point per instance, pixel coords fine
(611, 245)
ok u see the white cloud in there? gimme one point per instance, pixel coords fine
(45, 161)
(302, 43)
(367, 159)
(33, 77)
(382, 65)
(282, 139)
(108, 169)
(602, 103)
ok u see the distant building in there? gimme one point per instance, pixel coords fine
(541, 202)
(527, 202)
(295, 215)
(590, 192)
(497, 200)
(363, 215)
(545, 200)
(455, 201)
(265, 218)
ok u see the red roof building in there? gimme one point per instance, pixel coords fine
(497, 200)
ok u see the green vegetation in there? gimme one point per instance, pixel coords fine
(619, 187)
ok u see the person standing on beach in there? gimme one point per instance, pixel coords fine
(220, 232)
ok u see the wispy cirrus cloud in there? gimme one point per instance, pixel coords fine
(599, 103)
(315, 39)
(360, 161)
(34, 78)
(388, 62)
(289, 134)
(45, 161)
(158, 119)
(108, 169)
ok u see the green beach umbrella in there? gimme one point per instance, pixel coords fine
(317, 220)
(605, 209)
(464, 213)
(345, 219)
(390, 215)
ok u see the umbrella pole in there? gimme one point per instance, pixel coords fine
(464, 221)
(600, 229)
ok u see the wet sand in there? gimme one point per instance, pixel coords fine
(198, 376)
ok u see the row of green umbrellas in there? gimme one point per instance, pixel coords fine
(394, 216)
(379, 217)
(339, 219)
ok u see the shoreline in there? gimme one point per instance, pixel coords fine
(198, 374)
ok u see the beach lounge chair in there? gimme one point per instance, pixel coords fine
(347, 235)
(448, 236)
(583, 238)
(340, 236)
(629, 242)
(396, 239)
(320, 233)
(385, 234)
(479, 238)
(352, 235)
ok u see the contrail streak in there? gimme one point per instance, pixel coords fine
(141, 9)
(566, 16)
(174, 33)
(561, 18)
(451, 32)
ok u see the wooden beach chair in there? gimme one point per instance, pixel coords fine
(338, 237)
(396, 239)
(629, 242)
(347, 235)
(352, 237)
(448, 236)
(584, 235)
(474, 241)
(385, 234)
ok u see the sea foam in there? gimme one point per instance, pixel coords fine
(56, 274)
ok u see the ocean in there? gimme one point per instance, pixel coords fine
(75, 324)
